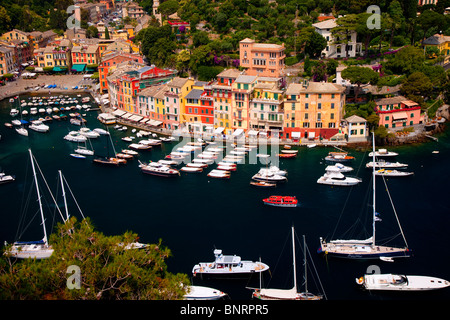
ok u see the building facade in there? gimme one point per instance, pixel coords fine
(261, 59)
(398, 112)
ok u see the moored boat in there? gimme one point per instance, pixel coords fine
(287, 155)
(203, 293)
(385, 164)
(191, 169)
(392, 173)
(281, 201)
(221, 174)
(228, 266)
(5, 178)
(383, 153)
(338, 167)
(339, 157)
(158, 169)
(338, 179)
(263, 184)
(400, 282)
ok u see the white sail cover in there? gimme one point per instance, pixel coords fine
(279, 293)
(367, 241)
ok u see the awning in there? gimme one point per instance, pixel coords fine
(118, 113)
(78, 67)
(127, 115)
(219, 130)
(399, 115)
(144, 120)
(154, 123)
(135, 118)
(252, 133)
(311, 134)
(295, 135)
(238, 132)
(57, 69)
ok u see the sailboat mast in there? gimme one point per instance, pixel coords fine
(304, 261)
(373, 186)
(64, 194)
(39, 197)
(293, 259)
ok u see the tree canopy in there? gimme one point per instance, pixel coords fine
(109, 270)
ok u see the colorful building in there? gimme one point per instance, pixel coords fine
(356, 129)
(178, 88)
(84, 56)
(242, 89)
(398, 112)
(111, 61)
(266, 114)
(198, 113)
(222, 94)
(262, 59)
(6, 60)
(313, 110)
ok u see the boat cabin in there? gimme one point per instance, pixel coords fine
(225, 261)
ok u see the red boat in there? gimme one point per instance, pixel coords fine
(281, 201)
(287, 155)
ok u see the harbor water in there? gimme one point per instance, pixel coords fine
(194, 214)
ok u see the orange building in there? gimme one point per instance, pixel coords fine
(111, 60)
(262, 59)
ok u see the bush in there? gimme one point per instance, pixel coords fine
(289, 61)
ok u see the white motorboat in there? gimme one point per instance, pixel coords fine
(338, 179)
(400, 282)
(22, 131)
(197, 165)
(339, 157)
(101, 131)
(392, 173)
(84, 151)
(16, 122)
(273, 169)
(338, 167)
(158, 169)
(383, 153)
(89, 133)
(38, 126)
(203, 293)
(132, 152)
(33, 111)
(14, 112)
(221, 174)
(269, 177)
(151, 142)
(139, 146)
(75, 136)
(228, 265)
(191, 169)
(385, 164)
(5, 178)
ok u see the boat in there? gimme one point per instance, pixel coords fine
(262, 155)
(139, 146)
(32, 249)
(75, 136)
(269, 177)
(197, 165)
(289, 151)
(383, 153)
(151, 142)
(203, 293)
(338, 167)
(8, 125)
(226, 168)
(22, 131)
(339, 157)
(228, 265)
(88, 133)
(281, 201)
(132, 152)
(158, 169)
(338, 179)
(385, 164)
(312, 145)
(106, 160)
(124, 156)
(168, 162)
(75, 121)
(293, 293)
(287, 155)
(221, 174)
(38, 126)
(14, 112)
(127, 139)
(263, 184)
(401, 282)
(77, 155)
(273, 169)
(5, 178)
(191, 169)
(365, 249)
(101, 131)
(392, 173)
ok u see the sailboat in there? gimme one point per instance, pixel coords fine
(289, 294)
(110, 160)
(364, 249)
(21, 129)
(32, 249)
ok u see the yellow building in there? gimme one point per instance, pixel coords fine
(313, 110)
(441, 42)
(242, 89)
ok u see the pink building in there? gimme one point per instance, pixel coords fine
(262, 59)
(398, 112)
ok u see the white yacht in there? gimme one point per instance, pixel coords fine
(228, 265)
(203, 293)
(392, 173)
(385, 164)
(273, 169)
(4, 178)
(338, 179)
(75, 136)
(338, 167)
(399, 282)
(383, 153)
(38, 126)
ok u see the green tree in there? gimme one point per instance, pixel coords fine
(5, 20)
(416, 87)
(106, 33)
(109, 271)
(360, 75)
(405, 61)
(345, 26)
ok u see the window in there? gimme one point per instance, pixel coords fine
(386, 118)
(306, 106)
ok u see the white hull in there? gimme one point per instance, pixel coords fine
(39, 128)
(203, 293)
(386, 165)
(338, 167)
(392, 173)
(32, 251)
(337, 179)
(22, 131)
(85, 152)
(395, 282)
(383, 153)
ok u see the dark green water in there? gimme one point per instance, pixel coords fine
(194, 214)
